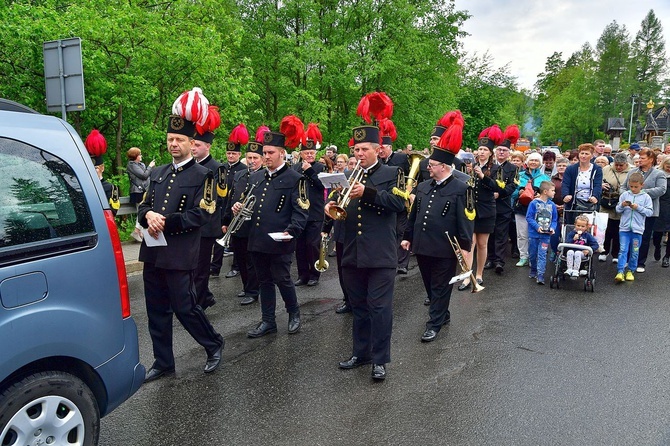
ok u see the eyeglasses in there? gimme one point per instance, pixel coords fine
(433, 166)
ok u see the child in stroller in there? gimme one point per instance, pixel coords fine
(574, 256)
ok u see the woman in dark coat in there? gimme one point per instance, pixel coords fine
(662, 224)
(138, 176)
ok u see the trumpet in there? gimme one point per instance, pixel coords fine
(244, 215)
(321, 265)
(465, 272)
(338, 211)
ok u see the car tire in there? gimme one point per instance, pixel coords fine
(54, 407)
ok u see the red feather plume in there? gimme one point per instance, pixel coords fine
(95, 143)
(239, 135)
(351, 143)
(377, 104)
(493, 133)
(450, 118)
(212, 122)
(314, 133)
(387, 128)
(260, 132)
(293, 130)
(512, 133)
(452, 138)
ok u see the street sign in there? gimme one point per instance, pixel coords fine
(64, 75)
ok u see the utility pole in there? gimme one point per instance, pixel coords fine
(632, 107)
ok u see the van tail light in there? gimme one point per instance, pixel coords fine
(120, 264)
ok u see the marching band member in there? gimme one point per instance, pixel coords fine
(212, 229)
(239, 240)
(309, 241)
(438, 213)
(370, 255)
(504, 173)
(180, 199)
(282, 207)
(483, 187)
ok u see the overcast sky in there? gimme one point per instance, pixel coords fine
(524, 33)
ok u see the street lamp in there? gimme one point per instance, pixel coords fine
(632, 107)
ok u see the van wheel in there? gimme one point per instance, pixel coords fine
(49, 408)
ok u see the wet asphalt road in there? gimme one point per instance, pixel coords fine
(519, 364)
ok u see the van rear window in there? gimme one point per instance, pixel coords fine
(40, 197)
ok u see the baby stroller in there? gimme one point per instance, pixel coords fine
(560, 275)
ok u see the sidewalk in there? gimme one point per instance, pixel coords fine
(131, 251)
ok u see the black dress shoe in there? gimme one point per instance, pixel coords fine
(294, 322)
(312, 282)
(463, 286)
(499, 268)
(666, 262)
(343, 308)
(426, 300)
(248, 300)
(402, 270)
(515, 254)
(210, 302)
(154, 373)
(488, 265)
(232, 273)
(353, 362)
(428, 335)
(299, 282)
(262, 329)
(242, 293)
(213, 274)
(378, 372)
(214, 360)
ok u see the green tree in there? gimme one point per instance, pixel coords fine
(649, 57)
(613, 77)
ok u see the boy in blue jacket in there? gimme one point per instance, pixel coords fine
(542, 218)
(634, 206)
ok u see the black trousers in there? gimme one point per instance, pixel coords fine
(436, 273)
(339, 249)
(401, 225)
(370, 292)
(202, 292)
(274, 269)
(169, 292)
(217, 260)
(646, 240)
(307, 250)
(611, 243)
(247, 270)
(658, 240)
(497, 245)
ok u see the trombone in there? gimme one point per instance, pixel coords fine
(465, 272)
(338, 211)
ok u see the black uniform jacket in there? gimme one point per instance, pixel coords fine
(176, 194)
(277, 209)
(316, 198)
(398, 159)
(239, 193)
(438, 209)
(213, 226)
(229, 172)
(370, 226)
(485, 203)
(504, 200)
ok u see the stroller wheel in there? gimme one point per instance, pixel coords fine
(552, 279)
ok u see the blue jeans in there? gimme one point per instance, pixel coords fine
(628, 241)
(537, 255)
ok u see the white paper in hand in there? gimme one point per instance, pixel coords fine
(333, 180)
(280, 236)
(150, 241)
